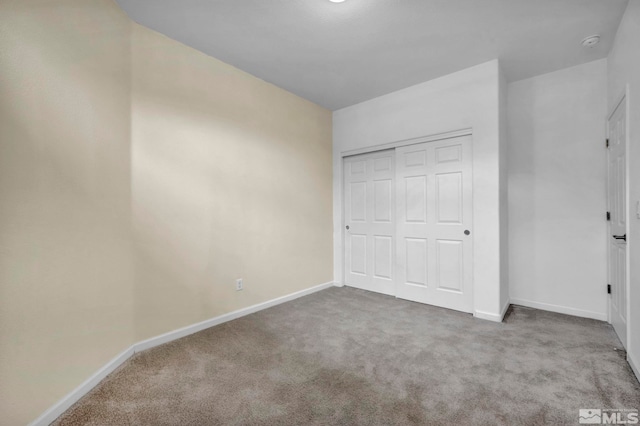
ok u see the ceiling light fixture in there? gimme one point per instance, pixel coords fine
(336, 1)
(591, 41)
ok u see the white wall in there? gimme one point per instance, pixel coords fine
(623, 70)
(557, 191)
(504, 194)
(465, 99)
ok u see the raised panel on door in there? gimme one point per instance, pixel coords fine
(382, 193)
(358, 251)
(415, 199)
(383, 264)
(383, 164)
(358, 202)
(370, 217)
(620, 180)
(448, 154)
(449, 265)
(449, 197)
(434, 193)
(413, 157)
(356, 206)
(415, 265)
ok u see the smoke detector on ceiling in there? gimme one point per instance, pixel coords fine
(591, 41)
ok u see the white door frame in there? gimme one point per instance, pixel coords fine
(621, 100)
(382, 147)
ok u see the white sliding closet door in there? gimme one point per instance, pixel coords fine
(370, 221)
(434, 223)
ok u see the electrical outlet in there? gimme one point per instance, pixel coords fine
(239, 284)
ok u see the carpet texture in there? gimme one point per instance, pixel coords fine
(349, 357)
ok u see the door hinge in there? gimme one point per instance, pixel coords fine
(608, 288)
(607, 142)
(608, 215)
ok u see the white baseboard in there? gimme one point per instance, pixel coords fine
(560, 309)
(634, 365)
(194, 328)
(487, 316)
(504, 310)
(491, 316)
(65, 403)
(74, 396)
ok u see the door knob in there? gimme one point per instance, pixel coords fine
(347, 227)
(467, 232)
(620, 237)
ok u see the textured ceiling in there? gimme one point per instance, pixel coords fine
(339, 54)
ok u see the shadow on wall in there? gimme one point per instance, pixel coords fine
(231, 179)
(522, 188)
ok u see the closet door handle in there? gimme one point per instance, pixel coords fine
(620, 237)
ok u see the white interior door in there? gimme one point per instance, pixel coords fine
(370, 221)
(617, 198)
(434, 241)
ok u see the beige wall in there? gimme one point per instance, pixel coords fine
(66, 270)
(231, 179)
(138, 179)
(623, 70)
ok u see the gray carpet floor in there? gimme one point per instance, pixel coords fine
(349, 357)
